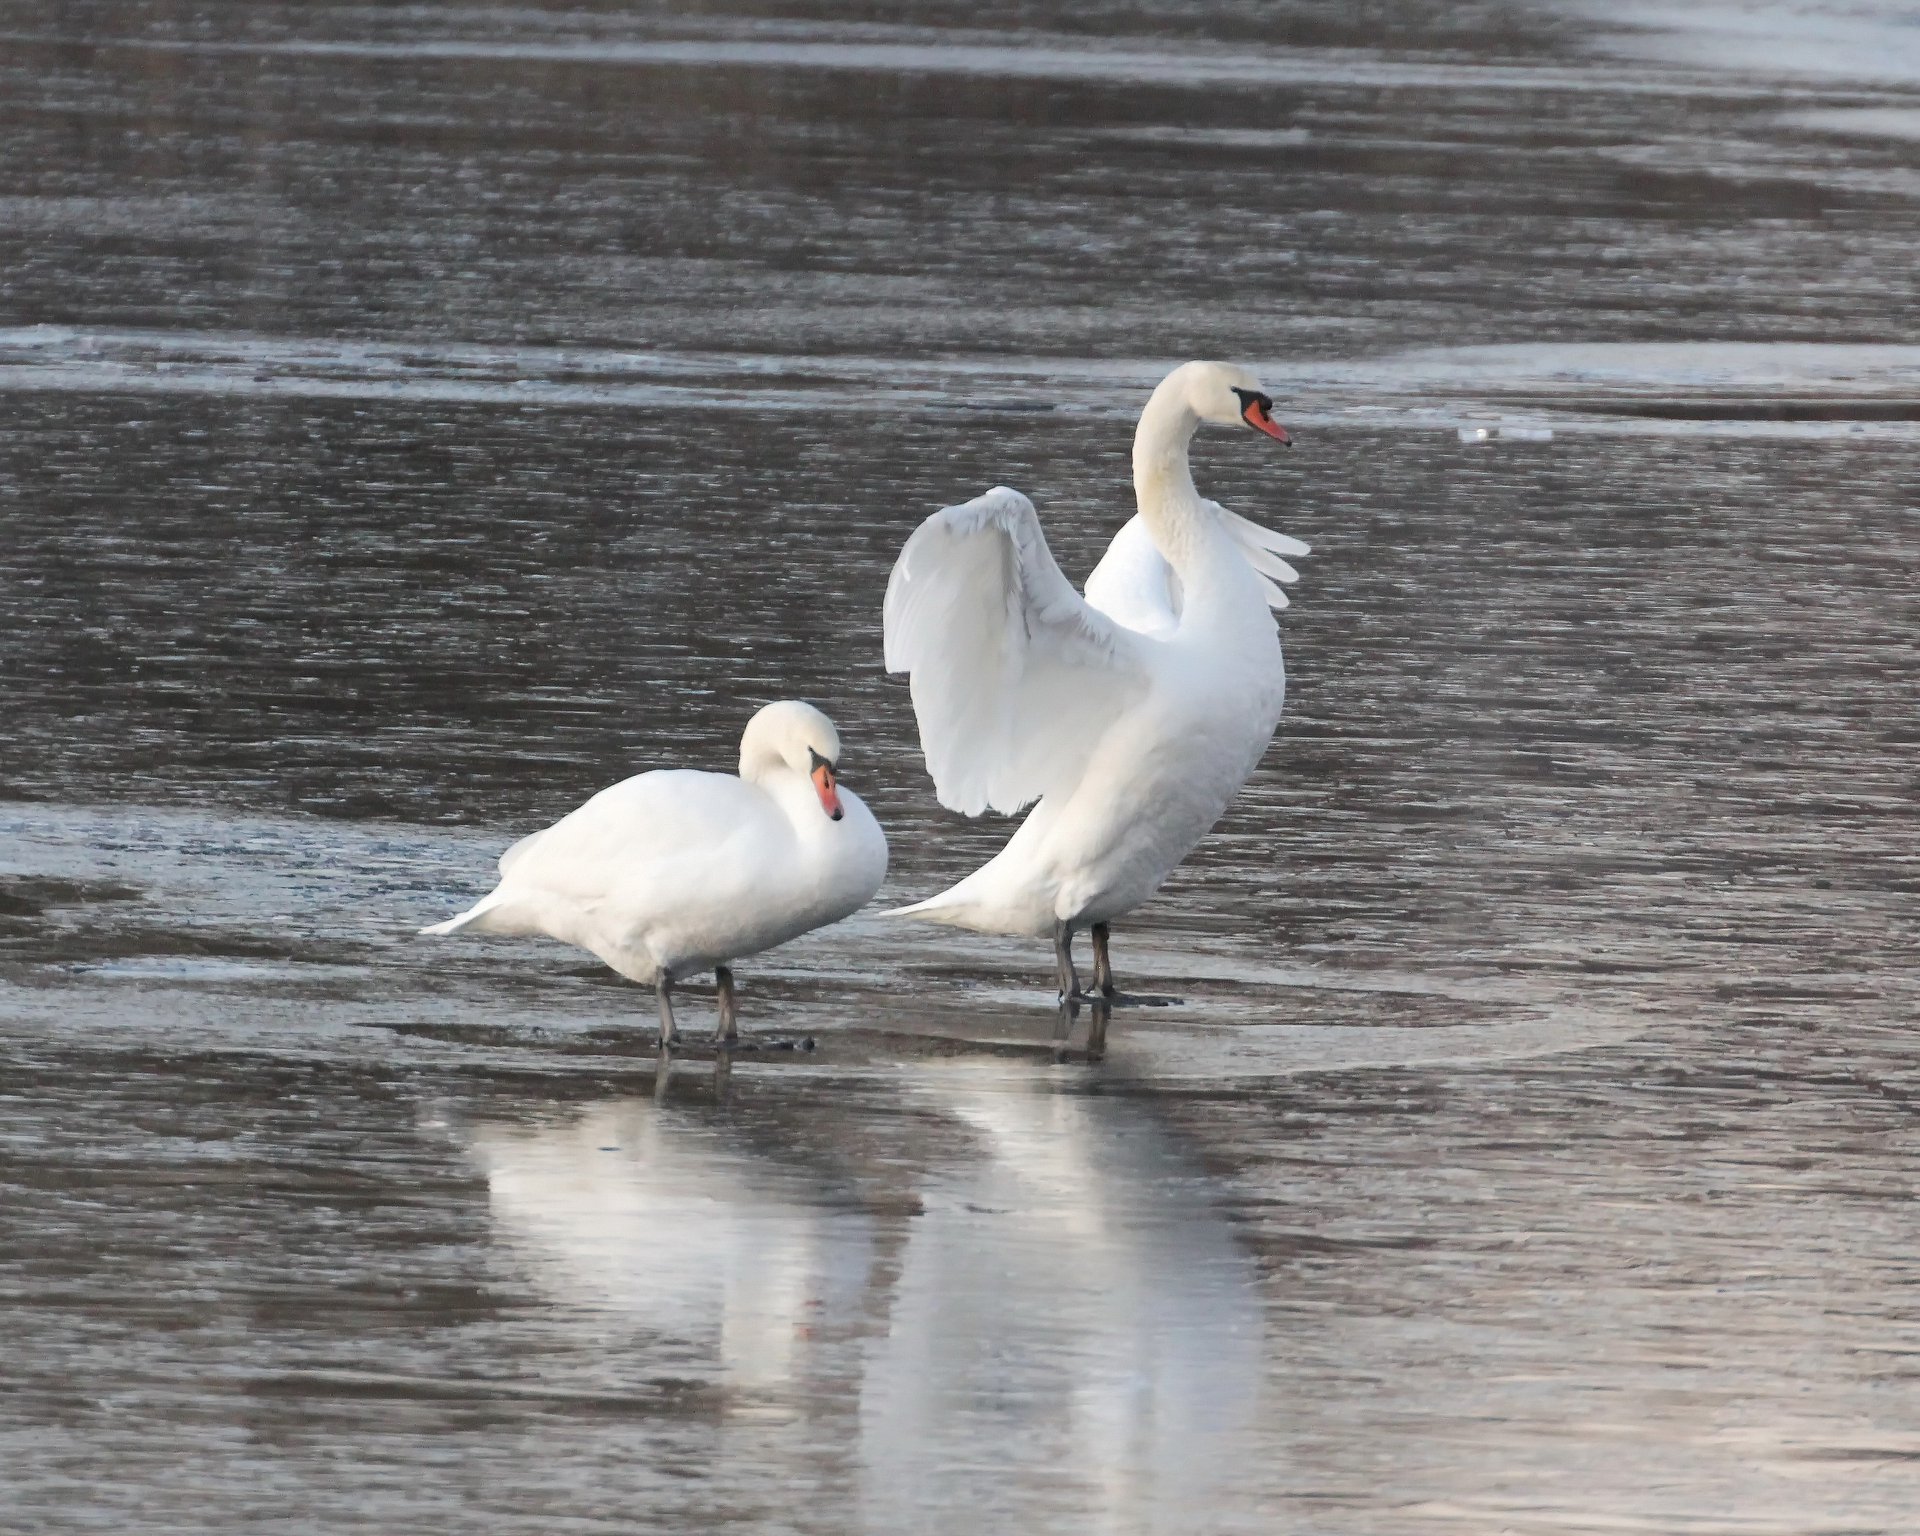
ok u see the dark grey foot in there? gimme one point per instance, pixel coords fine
(696, 1049)
(1119, 999)
(749, 1045)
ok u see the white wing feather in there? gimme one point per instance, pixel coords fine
(1263, 549)
(1134, 585)
(520, 849)
(1015, 676)
(631, 831)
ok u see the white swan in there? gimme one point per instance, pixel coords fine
(676, 871)
(1132, 715)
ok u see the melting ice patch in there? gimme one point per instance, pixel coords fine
(1867, 40)
(1861, 122)
(1719, 388)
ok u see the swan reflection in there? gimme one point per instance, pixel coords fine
(973, 1294)
(624, 1214)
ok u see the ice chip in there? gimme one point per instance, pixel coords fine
(1506, 434)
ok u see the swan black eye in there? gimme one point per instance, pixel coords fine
(819, 762)
(1252, 397)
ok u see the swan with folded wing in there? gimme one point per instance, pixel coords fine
(674, 872)
(1131, 715)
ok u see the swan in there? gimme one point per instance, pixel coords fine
(677, 871)
(1131, 715)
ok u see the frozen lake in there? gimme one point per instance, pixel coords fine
(418, 417)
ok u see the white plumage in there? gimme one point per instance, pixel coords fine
(1013, 672)
(676, 871)
(1132, 715)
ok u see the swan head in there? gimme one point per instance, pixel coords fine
(1228, 396)
(797, 736)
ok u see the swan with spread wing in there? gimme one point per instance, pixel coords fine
(1128, 718)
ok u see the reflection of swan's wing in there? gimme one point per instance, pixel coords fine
(1059, 1302)
(1073, 1300)
(1134, 585)
(1014, 674)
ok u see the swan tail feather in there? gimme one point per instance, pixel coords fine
(916, 909)
(943, 908)
(466, 919)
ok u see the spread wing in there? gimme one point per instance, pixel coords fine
(1134, 584)
(1264, 550)
(1015, 676)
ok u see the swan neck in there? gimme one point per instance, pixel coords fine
(757, 763)
(1162, 478)
(765, 766)
(786, 787)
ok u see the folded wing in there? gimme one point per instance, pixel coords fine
(1015, 676)
(631, 830)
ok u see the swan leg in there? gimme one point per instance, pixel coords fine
(1102, 963)
(1063, 964)
(1111, 995)
(663, 989)
(729, 1029)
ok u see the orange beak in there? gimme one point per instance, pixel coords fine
(1260, 419)
(823, 786)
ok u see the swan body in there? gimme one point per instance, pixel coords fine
(1131, 715)
(676, 871)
